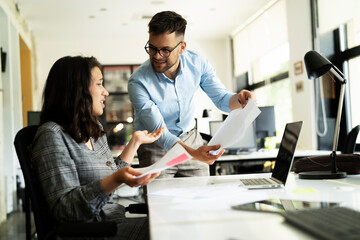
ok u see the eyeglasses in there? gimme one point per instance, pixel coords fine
(163, 52)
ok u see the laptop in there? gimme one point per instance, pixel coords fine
(283, 161)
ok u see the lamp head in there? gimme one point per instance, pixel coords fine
(316, 64)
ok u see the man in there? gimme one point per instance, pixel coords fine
(162, 93)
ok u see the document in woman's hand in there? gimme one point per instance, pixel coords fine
(174, 156)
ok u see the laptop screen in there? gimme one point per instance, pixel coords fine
(286, 151)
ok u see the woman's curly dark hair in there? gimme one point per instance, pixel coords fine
(67, 99)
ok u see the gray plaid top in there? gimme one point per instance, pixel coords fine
(70, 174)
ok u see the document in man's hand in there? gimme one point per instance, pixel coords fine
(234, 126)
(173, 157)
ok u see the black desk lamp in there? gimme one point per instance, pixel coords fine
(316, 66)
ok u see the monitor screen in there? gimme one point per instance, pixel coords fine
(265, 122)
(247, 143)
(33, 118)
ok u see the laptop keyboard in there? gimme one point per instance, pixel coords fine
(256, 181)
(328, 223)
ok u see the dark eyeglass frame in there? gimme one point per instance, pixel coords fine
(167, 51)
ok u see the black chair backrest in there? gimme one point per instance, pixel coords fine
(45, 225)
(350, 141)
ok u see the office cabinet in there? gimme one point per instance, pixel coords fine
(118, 115)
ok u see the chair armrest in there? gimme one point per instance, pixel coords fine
(141, 208)
(93, 229)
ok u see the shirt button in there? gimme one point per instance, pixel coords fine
(108, 163)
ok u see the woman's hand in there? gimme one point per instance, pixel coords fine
(138, 138)
(126, 175)
(145, 137)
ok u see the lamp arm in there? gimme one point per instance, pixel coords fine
(338, 74)
(337, 126)
(338, 118)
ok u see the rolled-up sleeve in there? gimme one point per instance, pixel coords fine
(120, 163)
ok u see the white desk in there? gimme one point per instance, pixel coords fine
(184, 217)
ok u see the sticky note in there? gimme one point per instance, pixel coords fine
(305, 190)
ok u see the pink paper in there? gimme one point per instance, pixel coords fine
(177, 160)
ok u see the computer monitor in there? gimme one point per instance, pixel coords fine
(265, 124)
(247, 144)
(33, 117)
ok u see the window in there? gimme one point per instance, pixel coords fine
(261, 57)
(333, 16)
(354, 86)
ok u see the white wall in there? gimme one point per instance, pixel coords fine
(12, 109)
(299, 36)
(11, 27)
(218, 54)
(2, 173)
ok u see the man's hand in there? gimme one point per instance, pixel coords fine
(240, 99)
(203, 153)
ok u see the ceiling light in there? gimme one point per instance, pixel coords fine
(146, 16)
(157, 2)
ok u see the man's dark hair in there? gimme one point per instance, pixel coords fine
(167, 22)
(67, 99)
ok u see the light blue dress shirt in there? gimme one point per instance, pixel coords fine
(159, 101)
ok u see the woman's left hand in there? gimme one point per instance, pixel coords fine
(145, 137)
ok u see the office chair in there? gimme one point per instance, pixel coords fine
(46, 227)
(350, 141)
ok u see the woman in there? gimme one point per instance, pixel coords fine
(70, 152)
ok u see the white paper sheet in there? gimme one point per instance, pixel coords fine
(211, 197)
(174, 156)
(234, 126)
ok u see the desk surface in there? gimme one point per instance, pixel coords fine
(200, 207)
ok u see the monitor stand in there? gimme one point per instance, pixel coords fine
(236, 151)
(261, 143)
(233, 151)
